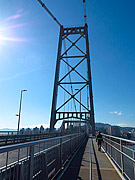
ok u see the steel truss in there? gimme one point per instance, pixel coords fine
(56, 112)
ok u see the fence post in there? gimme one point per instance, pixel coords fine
(122, 160)
(106, 144)
(44, 171)
(70, 145)
(111, 148)
(57, 158)
(21, 174)
(133, 162)
(31, 162)
(0, 174)
(60, 152)
(75, 140)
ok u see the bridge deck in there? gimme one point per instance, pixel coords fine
(80, 168)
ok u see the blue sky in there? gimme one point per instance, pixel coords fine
(28, 50)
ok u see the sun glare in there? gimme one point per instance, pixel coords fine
(1, 37)
(9, 30)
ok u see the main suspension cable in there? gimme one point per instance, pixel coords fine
(54, 18)
(49, 12)
(84, 11)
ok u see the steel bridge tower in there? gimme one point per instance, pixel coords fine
(86, 82)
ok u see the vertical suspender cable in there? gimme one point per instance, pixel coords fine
(70, 76)
(65, 88)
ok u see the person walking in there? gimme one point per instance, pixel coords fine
(99, 140)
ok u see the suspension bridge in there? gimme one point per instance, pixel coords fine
(68, 154)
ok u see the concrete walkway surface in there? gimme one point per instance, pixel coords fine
(89, 158)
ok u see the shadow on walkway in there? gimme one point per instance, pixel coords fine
(97, 164)
(72, 172)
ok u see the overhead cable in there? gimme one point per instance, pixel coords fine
(49, 12)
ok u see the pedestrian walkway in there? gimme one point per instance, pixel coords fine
(90, 162)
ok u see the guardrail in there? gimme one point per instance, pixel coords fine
(122, 152)
(8, 133)
(21, 138)
(38, 160)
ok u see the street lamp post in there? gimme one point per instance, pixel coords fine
(19, 115)
(80, 110)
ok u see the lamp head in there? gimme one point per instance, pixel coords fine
(23, 90)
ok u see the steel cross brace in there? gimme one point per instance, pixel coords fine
(73, 44)
(72, 96)
(73, 69)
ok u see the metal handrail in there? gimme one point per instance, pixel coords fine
(121, 152)
(39, 158)
(122, 145)
(126, 140)
(113, 151)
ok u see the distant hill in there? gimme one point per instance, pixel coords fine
(102, 125)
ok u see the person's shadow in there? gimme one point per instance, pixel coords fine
(97, 164)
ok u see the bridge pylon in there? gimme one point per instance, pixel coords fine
(72, 93)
